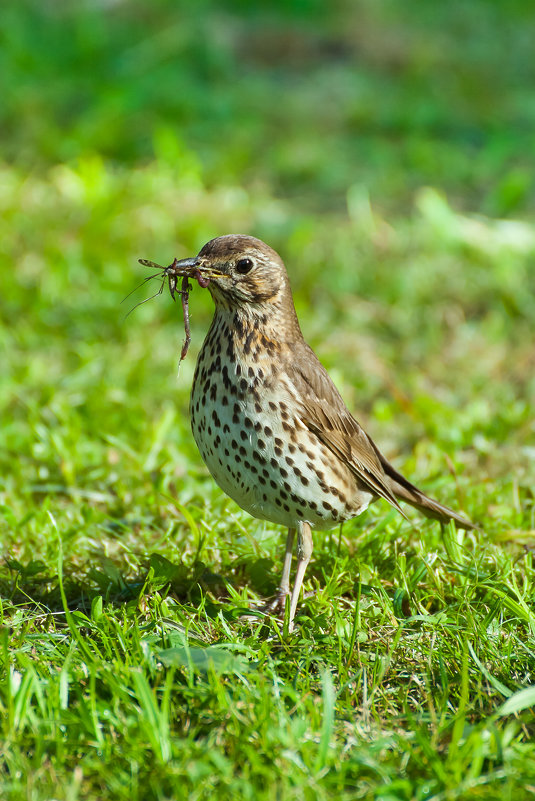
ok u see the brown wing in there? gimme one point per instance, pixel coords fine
(322, 410)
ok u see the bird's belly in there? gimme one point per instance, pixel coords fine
(266, 460)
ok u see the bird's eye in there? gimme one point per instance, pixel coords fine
(244, 266)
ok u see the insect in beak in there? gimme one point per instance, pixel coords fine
(183, 269)
(173, 272)
(191, 268)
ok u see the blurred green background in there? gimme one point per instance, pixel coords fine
(301, 98)
(386, 148)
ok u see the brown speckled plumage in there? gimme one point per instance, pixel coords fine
(269, 423)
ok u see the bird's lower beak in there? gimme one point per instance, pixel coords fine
(193, 268)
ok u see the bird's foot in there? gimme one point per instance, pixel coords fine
(276, 605)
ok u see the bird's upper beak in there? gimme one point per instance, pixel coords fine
(194, 267)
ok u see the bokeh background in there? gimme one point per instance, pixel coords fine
(385, 148)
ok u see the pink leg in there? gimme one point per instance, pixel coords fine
(279, 603)
(284, 587)
(304, 552)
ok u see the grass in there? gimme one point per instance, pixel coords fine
(135, 662)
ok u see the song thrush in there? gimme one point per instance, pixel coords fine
(269, 423)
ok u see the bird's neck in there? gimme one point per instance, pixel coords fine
(254, 336)
(273, 320)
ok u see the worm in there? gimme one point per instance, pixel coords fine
(184, 291)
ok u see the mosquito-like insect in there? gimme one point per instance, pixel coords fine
(170, 274)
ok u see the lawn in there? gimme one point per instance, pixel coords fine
(385, 149)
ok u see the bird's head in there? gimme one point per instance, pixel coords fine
(239, 271)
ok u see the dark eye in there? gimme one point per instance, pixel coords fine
(244, 266)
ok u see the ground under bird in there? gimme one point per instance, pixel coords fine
(269, 423)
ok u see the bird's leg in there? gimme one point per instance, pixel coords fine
(279, 602)
(284, 586)
(304, 552)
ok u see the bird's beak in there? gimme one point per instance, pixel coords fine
(195, 268)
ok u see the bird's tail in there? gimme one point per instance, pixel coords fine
(405, 491)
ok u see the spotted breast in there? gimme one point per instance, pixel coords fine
(256, 448)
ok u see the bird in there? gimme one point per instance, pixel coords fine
(269, 423)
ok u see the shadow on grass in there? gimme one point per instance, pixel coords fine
(34, 585)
